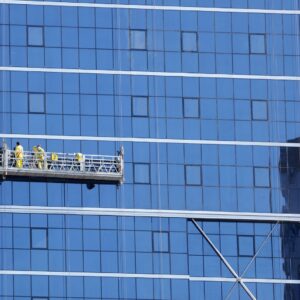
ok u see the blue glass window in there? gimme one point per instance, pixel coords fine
(189, 41)
(36, 103)
(141, 173)
(259, 110)
(140, 106)
(262, 177)
(191, 107)
(245, 245)
(35, 36)
(160, 241)
(257, 43)
(193, 175)
(138, 39)
(39, 238)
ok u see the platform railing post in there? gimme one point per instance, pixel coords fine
(5, 156)
(45, 161)
(122, 162)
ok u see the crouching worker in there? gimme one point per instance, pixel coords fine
(39, 153)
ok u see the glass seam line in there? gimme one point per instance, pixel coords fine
(150, 73)
(147, 276)
(123, 212)
(154, 7)
(149, 140)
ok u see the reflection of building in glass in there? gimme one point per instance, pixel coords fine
(289, 166)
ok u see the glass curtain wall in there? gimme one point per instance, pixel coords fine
(204, 98)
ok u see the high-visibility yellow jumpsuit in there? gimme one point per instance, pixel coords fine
(19, 156)
(79, 157)
(40, 156)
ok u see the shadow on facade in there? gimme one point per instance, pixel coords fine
(289, 168)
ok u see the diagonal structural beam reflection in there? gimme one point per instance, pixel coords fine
(253, 258)
(238, 279)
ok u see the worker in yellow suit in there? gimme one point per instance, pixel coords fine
(19, 155)
(40, 156)
(79, 157)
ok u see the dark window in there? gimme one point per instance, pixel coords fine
(259, 110)
(160, 241)
(39, 238)
(191, 107)
(257, 43)
(141, 173)
(36, 103)
(261, 177)
(189, 41)
(138, 39)
(140, 106)
(193, 175)
(35, 36)
(245, 245)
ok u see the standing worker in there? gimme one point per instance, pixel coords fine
(40, 156)
(19, 155)
(80, 159)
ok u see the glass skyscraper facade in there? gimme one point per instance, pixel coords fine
(204, 97)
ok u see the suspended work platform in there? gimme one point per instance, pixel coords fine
(62, 167)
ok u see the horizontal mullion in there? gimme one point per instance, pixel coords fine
(156, 213)
(155, 7)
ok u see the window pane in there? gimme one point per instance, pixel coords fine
(160, 241)
(138, 39)
(38, 238)
(193, 175)
(191, 108)
(141, 173)
(189, 41)
(257, 43)
(36, 103)
(246, 245)
(259, 110)
(262, 177)
(140, 106)
(35, 36)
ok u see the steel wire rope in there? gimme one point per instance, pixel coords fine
(4, 33)
(273, 115)
(158, 146)
(118, 128)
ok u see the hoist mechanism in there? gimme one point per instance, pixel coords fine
(62, 167)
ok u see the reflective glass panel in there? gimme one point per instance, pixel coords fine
(38, 238)
(138, 39)
(259, 110)
(261, 177)
(141, 173)
(35, 36)
(140, 106)
(191, 107)
(257, 43)
(189, 41)
(160, 241)
(36, 103)
(193, 175)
